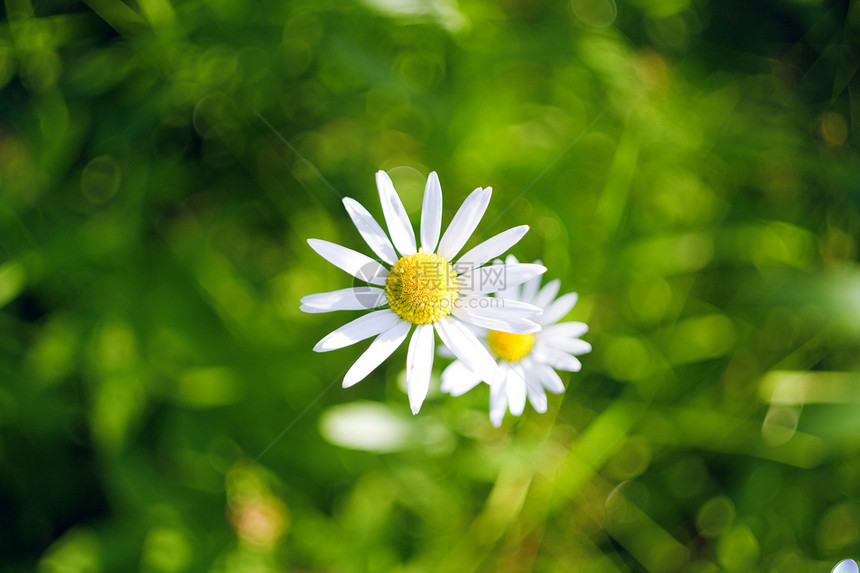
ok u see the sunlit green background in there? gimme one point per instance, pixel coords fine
(687, 166)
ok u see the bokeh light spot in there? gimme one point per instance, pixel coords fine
(834, 129)
(100, 179)
(715, 516)
(595, 13)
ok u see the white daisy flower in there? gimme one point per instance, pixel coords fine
(421, 287)
(846, 566)
(527, 360)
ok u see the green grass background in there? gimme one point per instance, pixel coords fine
(687, 166)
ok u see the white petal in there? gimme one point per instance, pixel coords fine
(431, 214)
(516, 390)
(566, 329)
(419, 364)
(380, 349)
(398, 223)
(370, 231)
(534, 388)
(512, 292)
(354, 298)
(358, 265)
(498, 401)
(362, 327)
(549, 378)
(493, 247)
(479, 331)
(559, 309)
(547, 293)
(846, 566)
(522, 272)
(464, 223)
(573, 346)
(557, 359)
(457, 379)
(530, 289)
(498, 277)
(498, 306)
(466, 346)
(445, 352)
(514, 324)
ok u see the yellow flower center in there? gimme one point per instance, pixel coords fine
(421, 288)
(510, 347)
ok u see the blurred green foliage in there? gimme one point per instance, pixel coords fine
(687, 166)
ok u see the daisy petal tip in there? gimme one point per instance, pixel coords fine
(307, 304)
(846, 566)
(518, 233)
(351, 204)
(383, 181)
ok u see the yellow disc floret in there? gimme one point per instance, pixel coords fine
(422, 288)
(510, 347)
